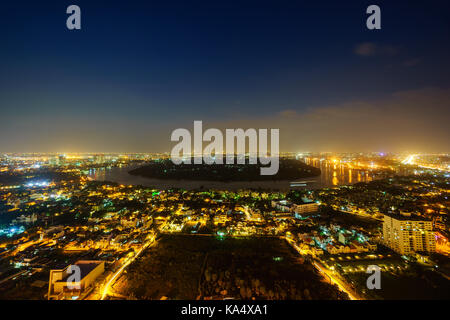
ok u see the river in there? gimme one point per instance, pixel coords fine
(332, 175)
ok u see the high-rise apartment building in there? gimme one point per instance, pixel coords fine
(407, 234)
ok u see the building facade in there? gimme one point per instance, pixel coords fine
(406, 234)
(305, 208)
(61, 286)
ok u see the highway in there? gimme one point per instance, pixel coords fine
(341, 284)
(328, 274)
(127, 262)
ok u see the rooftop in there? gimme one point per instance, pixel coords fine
(85, 267)
(406, 218)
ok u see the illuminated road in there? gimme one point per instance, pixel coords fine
(342, 286)
(327, 274)
(443, 248)
(127, 262)
(409, 160)
(322, 270)
(247, 213)
(13, 276)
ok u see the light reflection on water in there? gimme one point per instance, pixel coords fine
(338, 174)
(332, 175)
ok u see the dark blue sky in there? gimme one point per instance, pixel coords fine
(139, 69)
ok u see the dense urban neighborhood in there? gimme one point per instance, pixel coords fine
(141, 242)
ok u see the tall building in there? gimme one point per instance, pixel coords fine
(407, 234)
(305, 208)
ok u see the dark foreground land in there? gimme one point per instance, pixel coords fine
(191, 267)
(289, 169)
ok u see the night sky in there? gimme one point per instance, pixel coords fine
(139, 69)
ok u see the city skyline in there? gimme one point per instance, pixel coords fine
(225, 158)
(136, 226)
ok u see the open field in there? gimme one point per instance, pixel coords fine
(407, 286)
(191, 267)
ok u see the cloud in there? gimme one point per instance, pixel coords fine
(368, 49)
(411, 62)
(288, 113)
(413, 120)
(365, 49)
